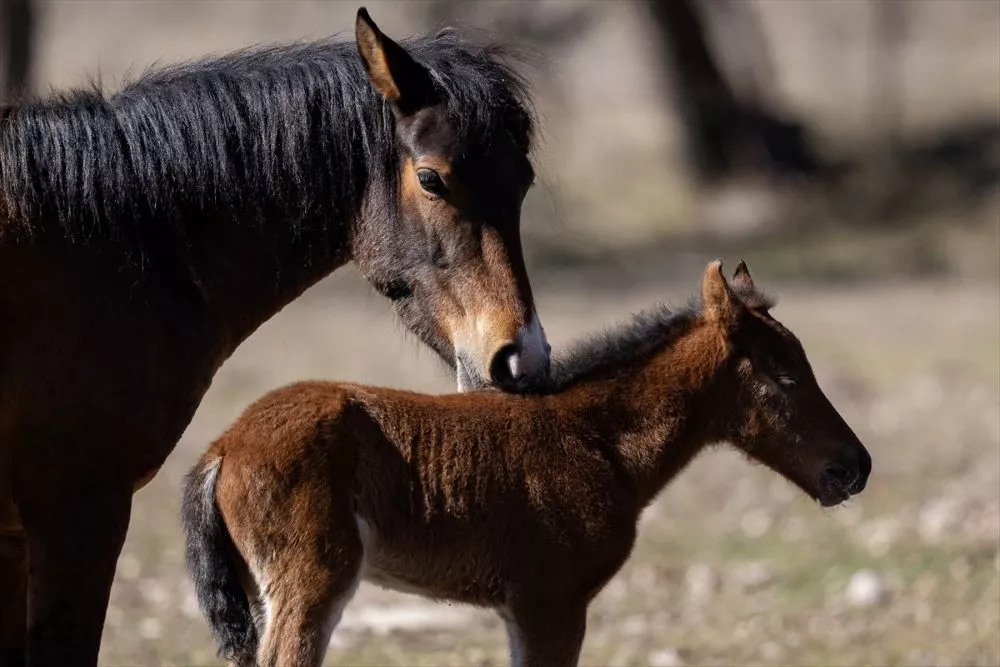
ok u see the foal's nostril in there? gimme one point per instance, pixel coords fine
(839, 475)
(504, 368)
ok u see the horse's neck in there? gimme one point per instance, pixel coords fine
(658, 411)
(237, 264)
(247, 277)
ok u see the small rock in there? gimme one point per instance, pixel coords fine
(129, 567)
(795, 529)
(848, 514)
(644, 577)
(961, 627)
(151, 628)
(923, 614)
(700, 582)
(666, 657)
(756, 523)
(752, 575)
(771, 651)
(865, 589)
(937, 518)
(114, 616)
(879, 535)
(633, 626)
(189, 602)
(154, 591)
(960, 570)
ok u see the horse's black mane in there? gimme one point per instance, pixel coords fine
(290, 134)
(635, 340)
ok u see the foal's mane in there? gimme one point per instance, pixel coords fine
(290, 134)
(617, 347)
(635, 340)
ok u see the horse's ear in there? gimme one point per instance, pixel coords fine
(716, 296)
(402, 81)
(741, 277)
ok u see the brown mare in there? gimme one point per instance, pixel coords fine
(144, 235)
(524, 504)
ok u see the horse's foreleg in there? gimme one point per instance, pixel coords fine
(13, 598)
(75, 533)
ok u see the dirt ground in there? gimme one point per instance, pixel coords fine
(733, 565)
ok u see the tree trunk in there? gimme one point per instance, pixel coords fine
(17, 33)
(724, 133)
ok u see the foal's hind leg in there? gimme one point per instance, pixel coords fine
(546, 635)
(306, 590)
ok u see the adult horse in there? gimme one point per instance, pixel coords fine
(143, 236)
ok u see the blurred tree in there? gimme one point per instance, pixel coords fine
(528, 22)
(17, 37)
(727, 130)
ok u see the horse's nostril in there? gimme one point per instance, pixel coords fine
(504, 369)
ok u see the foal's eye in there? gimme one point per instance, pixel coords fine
(431, 181)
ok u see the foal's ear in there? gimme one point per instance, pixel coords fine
(402, 81)
(716, 296)
(741, 277)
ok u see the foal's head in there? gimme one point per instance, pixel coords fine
(777, 412)
(450, 259)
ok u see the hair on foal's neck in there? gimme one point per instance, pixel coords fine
(635, 340)
(622, 346)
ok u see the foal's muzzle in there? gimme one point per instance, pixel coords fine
(845, 478)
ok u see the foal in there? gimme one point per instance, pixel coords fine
(524, 504)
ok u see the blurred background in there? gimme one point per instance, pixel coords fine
(848, 150)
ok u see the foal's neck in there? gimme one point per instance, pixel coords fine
(654, 417)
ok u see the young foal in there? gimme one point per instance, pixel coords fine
(525, 504)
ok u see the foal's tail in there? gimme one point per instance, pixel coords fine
(212, 563)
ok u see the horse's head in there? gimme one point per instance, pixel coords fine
(449, 255)
(771, 404)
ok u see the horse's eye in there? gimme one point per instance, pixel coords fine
(431, 181)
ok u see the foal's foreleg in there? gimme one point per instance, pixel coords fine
(543, 635)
